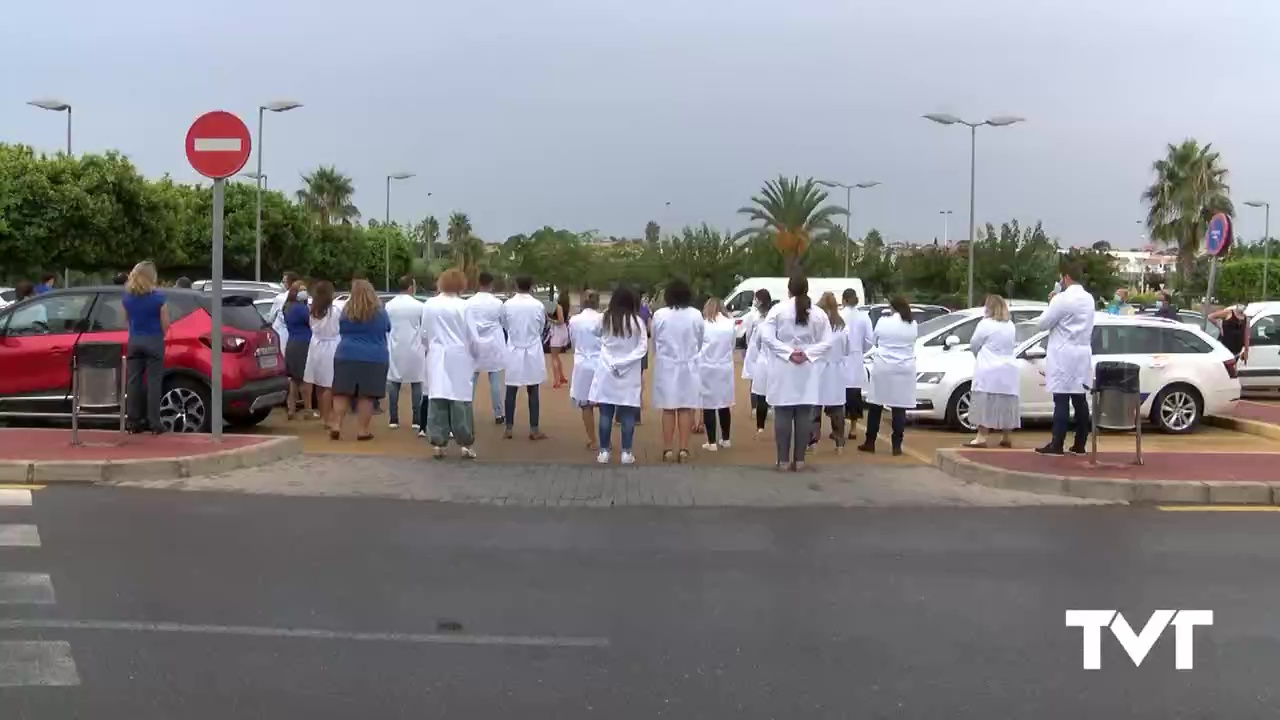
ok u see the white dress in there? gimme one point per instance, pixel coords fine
(995, 376)
(484, 313)
(408, 361)
(584, 332)
(893, 370)
(451, 347)
(831, 385)
(617, 379)
(677, 339)
(791, 383)
(524, 316)
(715, 363)
(324, 342)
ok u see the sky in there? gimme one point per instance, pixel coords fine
(605, 114)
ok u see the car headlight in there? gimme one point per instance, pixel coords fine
(929, 378)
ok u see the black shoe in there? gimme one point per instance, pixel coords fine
(867, 447)
(1078, 450)
(499, 421)
(1050, 449)
(897, 450)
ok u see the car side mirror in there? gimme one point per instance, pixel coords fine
(951, 341)
(1034, 353)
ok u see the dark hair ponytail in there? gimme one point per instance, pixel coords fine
(798, 286)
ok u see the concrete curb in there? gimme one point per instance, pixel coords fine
(1192, 492)
(38, 472)
(1249, 427)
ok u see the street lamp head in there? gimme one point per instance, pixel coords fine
(868, 184)
(1003, 120)
(254, 175)
(1256, 203)
(401, 175)
(944, 212)
(943, 118)
(829, 183)
(281, 105)
(50, 104)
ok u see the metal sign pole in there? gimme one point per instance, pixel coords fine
(215, 394)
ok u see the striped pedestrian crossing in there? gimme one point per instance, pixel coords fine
(19, 536)
(15, 497)
(37, 663)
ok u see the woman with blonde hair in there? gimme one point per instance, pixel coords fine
(148, 320)
(831, 380)
(361, 359)
(994, 399)
(715, 372)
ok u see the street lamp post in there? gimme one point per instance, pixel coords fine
(998, 121)
(386, 279)
(276, 106)
(260, 177)
(946, 227)
(1266, 241)
(56, 106)
(848, 211)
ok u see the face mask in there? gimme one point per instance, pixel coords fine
(1117, 298)
(1160, 304)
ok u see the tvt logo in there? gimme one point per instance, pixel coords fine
(1139, 644)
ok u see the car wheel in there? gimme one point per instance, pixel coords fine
(250, 420)
(184, 406)
(958, 408)
(1177, 409)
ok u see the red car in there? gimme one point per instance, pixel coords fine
(37, 337)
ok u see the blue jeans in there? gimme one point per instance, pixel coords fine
(627, 416)
(393, 402)
(495, 391)
(1063, 403)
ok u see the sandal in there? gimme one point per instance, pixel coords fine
(335, 434)
(364, 438)
(668, 456)
(976, 444)
(1007, 444)
(537, 436)
(682, 456)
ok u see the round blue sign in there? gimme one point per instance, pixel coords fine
(1218, 236)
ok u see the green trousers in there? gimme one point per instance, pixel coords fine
(450, 416)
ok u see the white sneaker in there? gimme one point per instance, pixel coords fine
(725, 444)
(602, 457)
(468, 454)
(422, 433)
(394, 426)
(760, 434)
(710, 447)
(414, 427)
(437, 453)
(628, 458)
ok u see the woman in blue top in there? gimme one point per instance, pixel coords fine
(297, 318)
(361, 360)
(148, 321)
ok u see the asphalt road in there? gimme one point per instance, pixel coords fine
(207, 606)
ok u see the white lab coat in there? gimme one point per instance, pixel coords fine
(451, 347)
(677, 339)
(750, 321)
(994, 369)
(893, 369)
(324, 343)
(584, 333)
(1068, 364)
(832, 384)
(789, 383)
(524, 317)
(276, 316)
(404, 342)
(715, 363)
(484, 313)
(858, 325)
(617, 379)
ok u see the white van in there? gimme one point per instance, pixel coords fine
(738, 302)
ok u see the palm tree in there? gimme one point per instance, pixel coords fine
(789, 211)
(1190, 187)
(466, 248)
(428, 233)
(328, 195)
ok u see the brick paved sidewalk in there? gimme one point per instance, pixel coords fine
(563, 485)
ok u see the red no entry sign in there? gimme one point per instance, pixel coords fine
(218, 144)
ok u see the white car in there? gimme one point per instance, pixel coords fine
(1262, 370)
(1184, 373)
(951, 332)
(6, 296)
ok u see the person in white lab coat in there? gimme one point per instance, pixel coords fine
(324, 342)
(860, 339)
(524, 317)
(893, 374)
(796, 338)
(275, 316)
(616, 384)
(755, 364)
(715, 370)
(484, 312)
(408, 357)
(677, 386)
(584, 335)
(1068, 365)
(831, 385)
(994, 400)
(451, 366)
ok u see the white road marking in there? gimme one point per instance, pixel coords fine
(217, 144)
(25, 663)
(25, 588)
(14, 497)
(305, 633)
(19, 536)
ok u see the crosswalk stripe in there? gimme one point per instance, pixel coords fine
(19, 536)
(25, 588)
(15, 497)
(44, 663)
